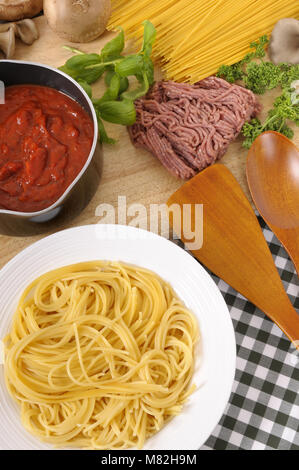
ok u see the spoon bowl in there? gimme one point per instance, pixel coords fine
(273, 179)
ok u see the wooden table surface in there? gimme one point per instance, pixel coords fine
(127, 171)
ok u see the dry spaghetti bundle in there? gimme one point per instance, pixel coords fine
(195, 37)
(100, 355)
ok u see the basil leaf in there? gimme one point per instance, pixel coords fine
(149, 69)
(130, 65)
(114, 86)
(117, 104)
(138, 92)
(88, 75)
(109, 74)
(124, 84)
(91, 75)
(113, 48)
(71, 73)
(119, 112)
(112, 93)
(149, 36)
(86, 87)
(83, 60)
(103, 137)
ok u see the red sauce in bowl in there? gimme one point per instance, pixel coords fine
(45, 140)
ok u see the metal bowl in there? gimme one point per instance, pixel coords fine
(81, 190)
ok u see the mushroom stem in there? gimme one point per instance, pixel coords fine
(26, 30)
(7, 41)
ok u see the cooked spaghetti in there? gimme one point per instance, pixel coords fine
(195, 37)
(100, 355)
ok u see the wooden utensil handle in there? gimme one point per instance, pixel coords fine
(295, 259)
(289, 324)
(282, 312)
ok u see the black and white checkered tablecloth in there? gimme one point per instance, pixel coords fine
(263, 410)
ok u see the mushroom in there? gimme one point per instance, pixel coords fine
(7, 39)
(284, 43)
(26, 30)
(78, 20)
(12, 10)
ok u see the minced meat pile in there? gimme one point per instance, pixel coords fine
(189, 127)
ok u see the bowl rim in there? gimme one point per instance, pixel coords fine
(91, 153)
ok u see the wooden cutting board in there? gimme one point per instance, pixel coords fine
(127, 171)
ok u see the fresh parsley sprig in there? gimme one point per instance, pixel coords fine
(259, 76)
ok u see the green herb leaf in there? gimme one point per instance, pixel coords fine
(138, 92)
(90, 76)
(262, 77)
(259, 47)
(276, 120)
(117, 103)
(86, 87)
(103, 137)
(237, 71)
(113, 48)
(231, 73)
(108, 75)
(149, 36)
(78, 62)
(259, 76)
(149, 70)
(73, 49)
(71, 73)
(123, 84)
(130, 65)
(119, 112)
(114, 86)
(290, 74)
(112, 92)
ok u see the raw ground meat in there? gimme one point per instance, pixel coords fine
(189, 127)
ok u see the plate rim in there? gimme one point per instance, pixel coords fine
(147, 235)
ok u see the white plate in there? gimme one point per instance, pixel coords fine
(215, 363)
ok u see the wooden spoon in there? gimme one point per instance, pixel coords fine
(234, 247)
(273, 179)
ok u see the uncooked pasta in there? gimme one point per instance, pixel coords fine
(195, 37)
(100, 355)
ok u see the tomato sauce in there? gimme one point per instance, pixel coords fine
(45, 140)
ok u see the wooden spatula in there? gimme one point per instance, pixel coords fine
(234, 247)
